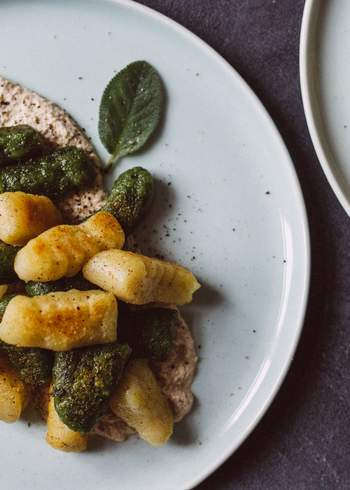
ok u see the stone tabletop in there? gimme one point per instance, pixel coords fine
(303, 442)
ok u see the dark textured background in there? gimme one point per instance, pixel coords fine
(303, 442)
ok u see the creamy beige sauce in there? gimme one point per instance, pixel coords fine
(19, 105)
(175, 376)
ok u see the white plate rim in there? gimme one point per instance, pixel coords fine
(280, 367)
(309, 103)
(299, 321)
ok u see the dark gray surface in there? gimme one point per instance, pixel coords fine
(303, 442)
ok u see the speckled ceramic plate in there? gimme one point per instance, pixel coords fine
(233, 213)
(325, 81)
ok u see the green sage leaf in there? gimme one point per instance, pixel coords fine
(130, 109)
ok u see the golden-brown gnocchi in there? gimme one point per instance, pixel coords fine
(63, 250)
(140, 403)
(14, 394)
(24, 216)
(137, 279)
(61, 437)
(60, 321)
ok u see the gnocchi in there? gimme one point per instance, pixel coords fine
(63, 250)
(138, 279)
(14, 394)
(60, 321)
(139, 402)
(24, 216)
(59, 436)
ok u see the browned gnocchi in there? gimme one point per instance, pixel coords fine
(60, 321)
(63, 250)
(138, 279)
(61, 437)
(24, 216)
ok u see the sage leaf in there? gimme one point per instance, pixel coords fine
(130, 109)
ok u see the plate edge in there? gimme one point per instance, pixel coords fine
(305, 87)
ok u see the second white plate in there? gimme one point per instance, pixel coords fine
(325, 83)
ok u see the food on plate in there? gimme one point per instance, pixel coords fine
(137, 279)
(32, 365)
(130, 197)
(14, 393)
(83, 379)
(20, 142)
(89, 332)
(37, 288)
(140, 403)
(150, 332)
(24, 216)
(19, 106)
(4, 301)
(63, 250)
(61, 437)
(60, 321)
(53, 175)
(7, 260)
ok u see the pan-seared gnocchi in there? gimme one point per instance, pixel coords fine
(14, 394)
(60, 321)
(63, 250)
(140, 403)
(139, 280)
(24, 216)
